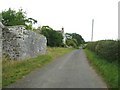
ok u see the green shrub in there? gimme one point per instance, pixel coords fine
(107, 49)
(91, 46)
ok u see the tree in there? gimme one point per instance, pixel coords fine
(13, 17)
(79, 38)
(74, 40)
(71, 42)
(54, 38)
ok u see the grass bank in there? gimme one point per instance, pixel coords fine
(109, 71)
(14, 70)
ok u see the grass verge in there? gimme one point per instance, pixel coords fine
(14, 70)
(109, 71)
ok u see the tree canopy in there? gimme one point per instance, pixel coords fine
(74, 40)
(54, 38)
(13, 17)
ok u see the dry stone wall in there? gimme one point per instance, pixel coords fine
(19, 43)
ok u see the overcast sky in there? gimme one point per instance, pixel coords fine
(74, 15)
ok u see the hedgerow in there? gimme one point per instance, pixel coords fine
(107, 49)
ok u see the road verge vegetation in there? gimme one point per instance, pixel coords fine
(103, 56)
(14, 70)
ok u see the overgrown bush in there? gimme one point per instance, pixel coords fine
(107, 49)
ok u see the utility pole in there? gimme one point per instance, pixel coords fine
(92, 30)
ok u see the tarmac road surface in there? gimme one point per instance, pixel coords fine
(69, 71)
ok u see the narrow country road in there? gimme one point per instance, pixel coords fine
(69, 71)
